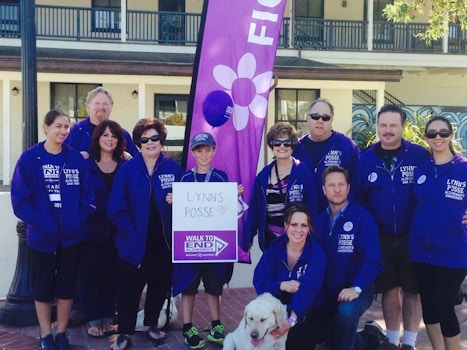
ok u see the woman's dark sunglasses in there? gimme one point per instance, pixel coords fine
(316, 116)
(431, 134)
(278, 143)
(153, 138)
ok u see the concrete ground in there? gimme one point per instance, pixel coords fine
(233, 303)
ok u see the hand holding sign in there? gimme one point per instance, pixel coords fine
(205, 222)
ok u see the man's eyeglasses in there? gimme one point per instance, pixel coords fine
(278, 143)
(316, 116)
(153, 138)
(431, 134)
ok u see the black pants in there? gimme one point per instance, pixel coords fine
(98, 280)
(311, 332)
(438, 289)
(156, 272)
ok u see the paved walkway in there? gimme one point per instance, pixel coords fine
(233, 303)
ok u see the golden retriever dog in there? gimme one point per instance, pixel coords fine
(261, 316)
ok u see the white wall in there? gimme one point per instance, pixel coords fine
(8, 243)
(243, 273)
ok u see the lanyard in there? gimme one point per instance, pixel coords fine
(208, 174)
(278, 179)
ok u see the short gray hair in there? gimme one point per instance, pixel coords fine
(98, 90)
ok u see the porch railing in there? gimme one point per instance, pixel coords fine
(79, 23)
(369, 97)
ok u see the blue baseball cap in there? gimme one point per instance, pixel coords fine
(202, 139)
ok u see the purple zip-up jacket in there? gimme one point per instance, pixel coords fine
(30, 199)
(388, 197)
(437, 235)
(340, 150)
(129, 202)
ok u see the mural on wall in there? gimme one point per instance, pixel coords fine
(364, 120)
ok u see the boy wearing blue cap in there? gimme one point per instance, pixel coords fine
(187, 277)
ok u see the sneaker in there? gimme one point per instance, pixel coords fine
(216, 335)
(407, 347)
(374, 328)
(61, 339)
(48, 343)
(193, 339)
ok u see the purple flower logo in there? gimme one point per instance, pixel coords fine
(245, 89)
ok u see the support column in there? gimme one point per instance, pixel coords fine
(6, 130)
(370, 25)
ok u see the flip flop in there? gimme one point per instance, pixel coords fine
(158, 336)
(123, 342)
(94, 330)
(108, 328)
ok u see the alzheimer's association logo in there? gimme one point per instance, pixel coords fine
(204, 245)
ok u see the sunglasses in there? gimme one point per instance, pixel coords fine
(278, 143)
(316, 116)
(431, 134)
(153, 138)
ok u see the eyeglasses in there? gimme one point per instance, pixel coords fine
(278, 143)
(431, 134)
(153, 138)
(316, 116)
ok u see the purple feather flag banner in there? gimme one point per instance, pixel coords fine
(235, 62)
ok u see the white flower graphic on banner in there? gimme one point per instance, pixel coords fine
(245, 89)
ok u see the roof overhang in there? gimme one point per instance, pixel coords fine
(74, 61)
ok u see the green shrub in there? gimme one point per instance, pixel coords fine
(414, 131)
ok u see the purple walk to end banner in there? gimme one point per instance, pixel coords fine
(231, 89)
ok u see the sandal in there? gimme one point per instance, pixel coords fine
(95, 330)
(154, 335)
(123, 342)
(108, 328)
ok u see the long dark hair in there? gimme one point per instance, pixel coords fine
(449, 125)
(116, 129)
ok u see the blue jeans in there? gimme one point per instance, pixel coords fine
(346, 323)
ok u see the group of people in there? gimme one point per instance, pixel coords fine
(96, 213)
(391, 219)
(97, 203)
(335, 226)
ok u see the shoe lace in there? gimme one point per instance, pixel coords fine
(218, 328)
(191, 332)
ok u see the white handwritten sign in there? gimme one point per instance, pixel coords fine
(204, 222)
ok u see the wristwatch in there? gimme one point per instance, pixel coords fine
(357, 289)
(292, 321)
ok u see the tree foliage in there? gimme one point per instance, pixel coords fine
(440, 14)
